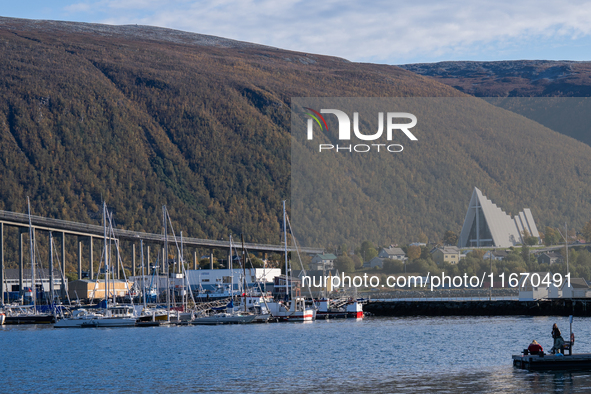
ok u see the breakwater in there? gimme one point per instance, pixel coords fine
(480, 308)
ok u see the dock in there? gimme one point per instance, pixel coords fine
(452, 307)
(552, 362)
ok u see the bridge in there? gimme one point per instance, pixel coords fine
(86, 233)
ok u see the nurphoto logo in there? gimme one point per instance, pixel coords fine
(392, 124)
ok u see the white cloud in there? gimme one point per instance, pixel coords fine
(78, 7)
(382, 30)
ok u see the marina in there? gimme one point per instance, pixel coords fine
(232, 297)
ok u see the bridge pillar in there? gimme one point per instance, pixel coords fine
(79, 258)
(210, 259)
(229, 264)
(91, 261)
(148, 259)
(21, 264)
(51, 280)
(133, 259)
(2, 263)
(195, 260)
(63, 264)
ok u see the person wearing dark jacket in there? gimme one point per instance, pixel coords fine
(558, 340)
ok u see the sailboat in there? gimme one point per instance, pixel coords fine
(30, 315)
(112, 315)
(294, 308)
(228, 314)
(253, 300)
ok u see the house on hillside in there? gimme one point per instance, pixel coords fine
(550, 258)
(497, 255)
(375, 262)
(446, 254)
(322, 261)
(392, 253)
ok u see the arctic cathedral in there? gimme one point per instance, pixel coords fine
(487, 225)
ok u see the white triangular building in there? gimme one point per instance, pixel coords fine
(486, 225)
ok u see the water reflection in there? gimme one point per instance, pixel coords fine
(497, 380)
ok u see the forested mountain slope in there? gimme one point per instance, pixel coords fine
(141, 117)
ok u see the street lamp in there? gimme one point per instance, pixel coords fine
(565, 244)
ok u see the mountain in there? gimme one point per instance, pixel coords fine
(143, 117)
(519, 78)
(545, 91)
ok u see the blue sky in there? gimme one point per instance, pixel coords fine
(379, 31)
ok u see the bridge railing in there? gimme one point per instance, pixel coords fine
(92, 229)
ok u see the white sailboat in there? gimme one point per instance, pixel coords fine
(228, 317)
(294, 308)
(111, 315)
(118, 316)
(29, 314)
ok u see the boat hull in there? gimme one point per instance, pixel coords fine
(30, 319)
(215, 320)
(331, 315)
(355, 315)
(96, 322)
(297, 316)
(262, 318)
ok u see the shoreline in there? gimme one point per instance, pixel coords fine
(559, 307)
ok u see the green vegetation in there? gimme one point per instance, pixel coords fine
(450, 238)
(344, 264)
(519, 260)
(587, 231)
(205, 130)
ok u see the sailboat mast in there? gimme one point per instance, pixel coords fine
(32, 241)
(244, 269)
(182, 271)
(285, 246)
(51, 289)
(106, 255)
(231, 266)
(111, 265)
(165, 262)
(143, 273)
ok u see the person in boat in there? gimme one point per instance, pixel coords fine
(535, 348)
(558, 340)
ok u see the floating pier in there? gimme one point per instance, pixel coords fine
(552, 362)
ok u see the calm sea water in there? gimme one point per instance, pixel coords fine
(402, 355)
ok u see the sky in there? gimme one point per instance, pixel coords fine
(378, 31)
